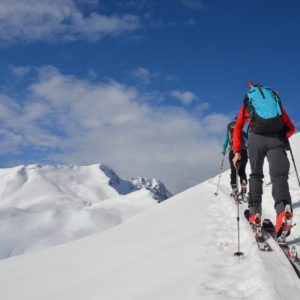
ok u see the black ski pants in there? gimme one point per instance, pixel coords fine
(272, 147)
(242, 167)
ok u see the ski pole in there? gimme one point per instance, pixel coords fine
(290, 148)
(216, 193)
(237, 200)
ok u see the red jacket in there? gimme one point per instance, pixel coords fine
(244, 117)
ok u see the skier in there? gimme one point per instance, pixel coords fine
(269, 130)
(228, 143)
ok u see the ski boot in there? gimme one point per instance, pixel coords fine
(244, 187)
(234, 190)
(284, 223)
(244, 190)
(255, 222)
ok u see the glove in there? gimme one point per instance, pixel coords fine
(223, 152)
(237, 157)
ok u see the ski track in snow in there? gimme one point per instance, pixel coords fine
(284, 286)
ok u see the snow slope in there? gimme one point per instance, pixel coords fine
(42, 206)
(180, 249)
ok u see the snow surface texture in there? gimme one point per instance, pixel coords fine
(180, 249)
(42, 206)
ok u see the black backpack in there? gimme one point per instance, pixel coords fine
(230, 130)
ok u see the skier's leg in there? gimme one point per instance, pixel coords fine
(233, 171)
(279, 169)
(242, 166)
(257, 150)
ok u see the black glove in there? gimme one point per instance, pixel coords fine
(223, 152)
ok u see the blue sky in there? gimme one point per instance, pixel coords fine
(146, 87)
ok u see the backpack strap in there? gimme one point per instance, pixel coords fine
(247, 105)
(261, 92)
(278, 100)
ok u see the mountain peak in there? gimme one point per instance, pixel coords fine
(156, 188)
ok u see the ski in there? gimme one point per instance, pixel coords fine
(289, 251)
(260, 235)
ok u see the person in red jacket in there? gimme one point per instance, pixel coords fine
(272, 145)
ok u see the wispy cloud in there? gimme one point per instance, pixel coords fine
(156, 23)
(88, 2)
(190, 22)
(171, 77)
(186, 97)
(46, 20)
(144, 74)
(83, 122)
(193, 4)
(20, 71)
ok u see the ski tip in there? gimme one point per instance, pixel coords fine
(268, 225)
(268, 221)
(247, 214)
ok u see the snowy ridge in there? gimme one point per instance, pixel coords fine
(42, 206)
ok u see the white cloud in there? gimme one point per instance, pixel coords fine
(20, 125)
(185, 97)
(144, 74)
(33, 20)
(200, 108)
(84, 122)
(215, 123)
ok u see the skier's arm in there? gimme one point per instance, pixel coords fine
(238, 129)
(225, 143)
(288, 123)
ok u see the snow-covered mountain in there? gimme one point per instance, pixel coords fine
(42, 206)
(157, 189)
(180, 249)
